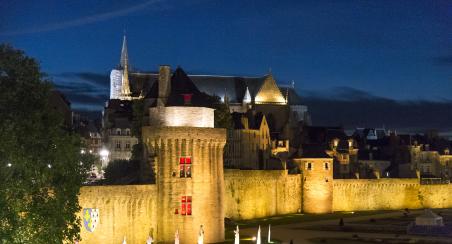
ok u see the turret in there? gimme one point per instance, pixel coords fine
(125, 86)
(188, 154)
(317, 168)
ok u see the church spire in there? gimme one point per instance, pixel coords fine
(124, 54)
(125, 91)
(125, 86)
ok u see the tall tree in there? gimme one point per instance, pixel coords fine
(41, 166)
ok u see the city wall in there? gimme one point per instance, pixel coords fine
(260, 193)
(128, 210)
(131, 210)
(388, 194)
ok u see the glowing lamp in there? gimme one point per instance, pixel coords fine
(104, 152)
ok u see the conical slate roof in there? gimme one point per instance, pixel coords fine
(181, 87)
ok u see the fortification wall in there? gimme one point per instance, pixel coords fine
(123, 211)
(260, 193)
(378, 194)
(436, 196)
(375, 194)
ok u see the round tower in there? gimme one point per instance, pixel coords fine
(317, 184)
(188, 153)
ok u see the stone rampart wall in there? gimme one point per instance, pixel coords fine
(260, 193)
(379, 194)
(375, 194)
(128, 211)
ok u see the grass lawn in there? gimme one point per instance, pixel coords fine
(285, 219)
(298, 218)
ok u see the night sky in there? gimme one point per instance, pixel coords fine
(394, 55)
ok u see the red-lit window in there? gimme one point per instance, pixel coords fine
(185, 208)
(188, 205)
(185, 167)
(187, 98)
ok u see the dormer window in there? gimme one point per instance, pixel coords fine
(118, 132)
(335, 143)
(187, 98)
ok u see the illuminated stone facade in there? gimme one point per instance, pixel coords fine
(317, 184)
(137, 212)
(182, 116)
(204, 186)
(129, 211)
(253, 194)
(249, 145)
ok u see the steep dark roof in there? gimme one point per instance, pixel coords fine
(254, 120)
(182, 85)
(313, 151)
(119, 106)
(319, 134)
(142, 82)
(294, 99)
(234, 87)
(237, 120)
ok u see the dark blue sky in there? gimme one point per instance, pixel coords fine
(400, 50)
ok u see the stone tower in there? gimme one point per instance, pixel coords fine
(317, 171)
(188, 155)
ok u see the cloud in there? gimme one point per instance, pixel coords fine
(85, 20)
(343, 93)
(102, 80)
(87, 91)
(362, 109)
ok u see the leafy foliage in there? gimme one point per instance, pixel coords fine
(41, 168)
(222, 115)
(120, 172)
(138, 110)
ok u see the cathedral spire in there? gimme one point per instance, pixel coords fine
(125, 86)
(124, 54)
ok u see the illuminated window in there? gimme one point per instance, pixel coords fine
(187, 98)
(185, 167)
(185, 208)
(309, 166)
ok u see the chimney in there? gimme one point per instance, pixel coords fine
(164, 84)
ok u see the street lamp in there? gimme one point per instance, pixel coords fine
(104, 153)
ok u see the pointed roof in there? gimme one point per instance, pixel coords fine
(269, 92)
(182, 85)
(124, 55)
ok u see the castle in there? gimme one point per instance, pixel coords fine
(193, 188)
